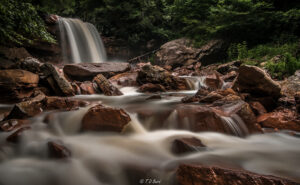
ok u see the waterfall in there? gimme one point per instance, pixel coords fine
(80, 42)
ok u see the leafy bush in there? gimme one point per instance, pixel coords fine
(283, 68)
(21, 24)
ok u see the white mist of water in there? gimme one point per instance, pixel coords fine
(81, 41)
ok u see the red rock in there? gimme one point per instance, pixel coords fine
(212, 175)
(186, 145)
(57, 151)
(257, 108)
(57, 81)
(214, 81)
(87, 71)
(211, 97)
(297, 100)
(87, 87)
(101, 118)
(229, 67)
(257, 82)
(124, 79)
(280, 119)
(18, 78)
(14, 137)
(61, 103)
(106, 87)
(158, 75)
(190, 99)
(13, 124)
(27, 108)
(229, 77)
(149, 87)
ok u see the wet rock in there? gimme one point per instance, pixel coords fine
(202, 92)
(211, 175)
(57, 81)
(257, 82)
(229, 77)
(124, 79)
(190, 99)
(257, 108)
(211, 97)
(87, 71)
(14, 53)
(229, 67)
(15, 136)
(176, 53)
(187, 145)
(13, 124)
(13, 78)
(31, 64)
(87, 87)
(154, 97)
(40, 103)
(149, 87)
(57, 151)
(62, 103)
(281, 119)
(157, 75)
(27, 108)
(101, 118)
(106, 87)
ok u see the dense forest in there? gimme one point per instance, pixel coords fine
(253, 28)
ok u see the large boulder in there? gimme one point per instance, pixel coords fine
(176, 53)
(16, 84)
(180, 52)
(257, 82)
(87, 71)
(212, 52)
(106, 87)
(158, 75)
(211, 175)
(18, 78)
(102, 118)
(59, 84)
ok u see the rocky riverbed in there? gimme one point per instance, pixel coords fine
(178, 121)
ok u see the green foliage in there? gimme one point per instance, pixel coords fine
(237, 51)
(20, 23)
(287, 66)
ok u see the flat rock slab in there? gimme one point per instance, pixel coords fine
(87, 71)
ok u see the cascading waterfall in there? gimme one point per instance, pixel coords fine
(80, 42)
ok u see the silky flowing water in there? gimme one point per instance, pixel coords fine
(137, 154)
(80, 41)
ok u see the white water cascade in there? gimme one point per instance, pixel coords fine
(80, 42)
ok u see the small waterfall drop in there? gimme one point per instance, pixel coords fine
(80, 42)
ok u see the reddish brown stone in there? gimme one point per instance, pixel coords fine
(186, 145)
(152, 88)
(280, 119)
(106, 87)
(212, 175)
(13, 124)
(57, 151)
(87, 71)
(124, 79)
(101, 118)
(87, 87)
(257, 108)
